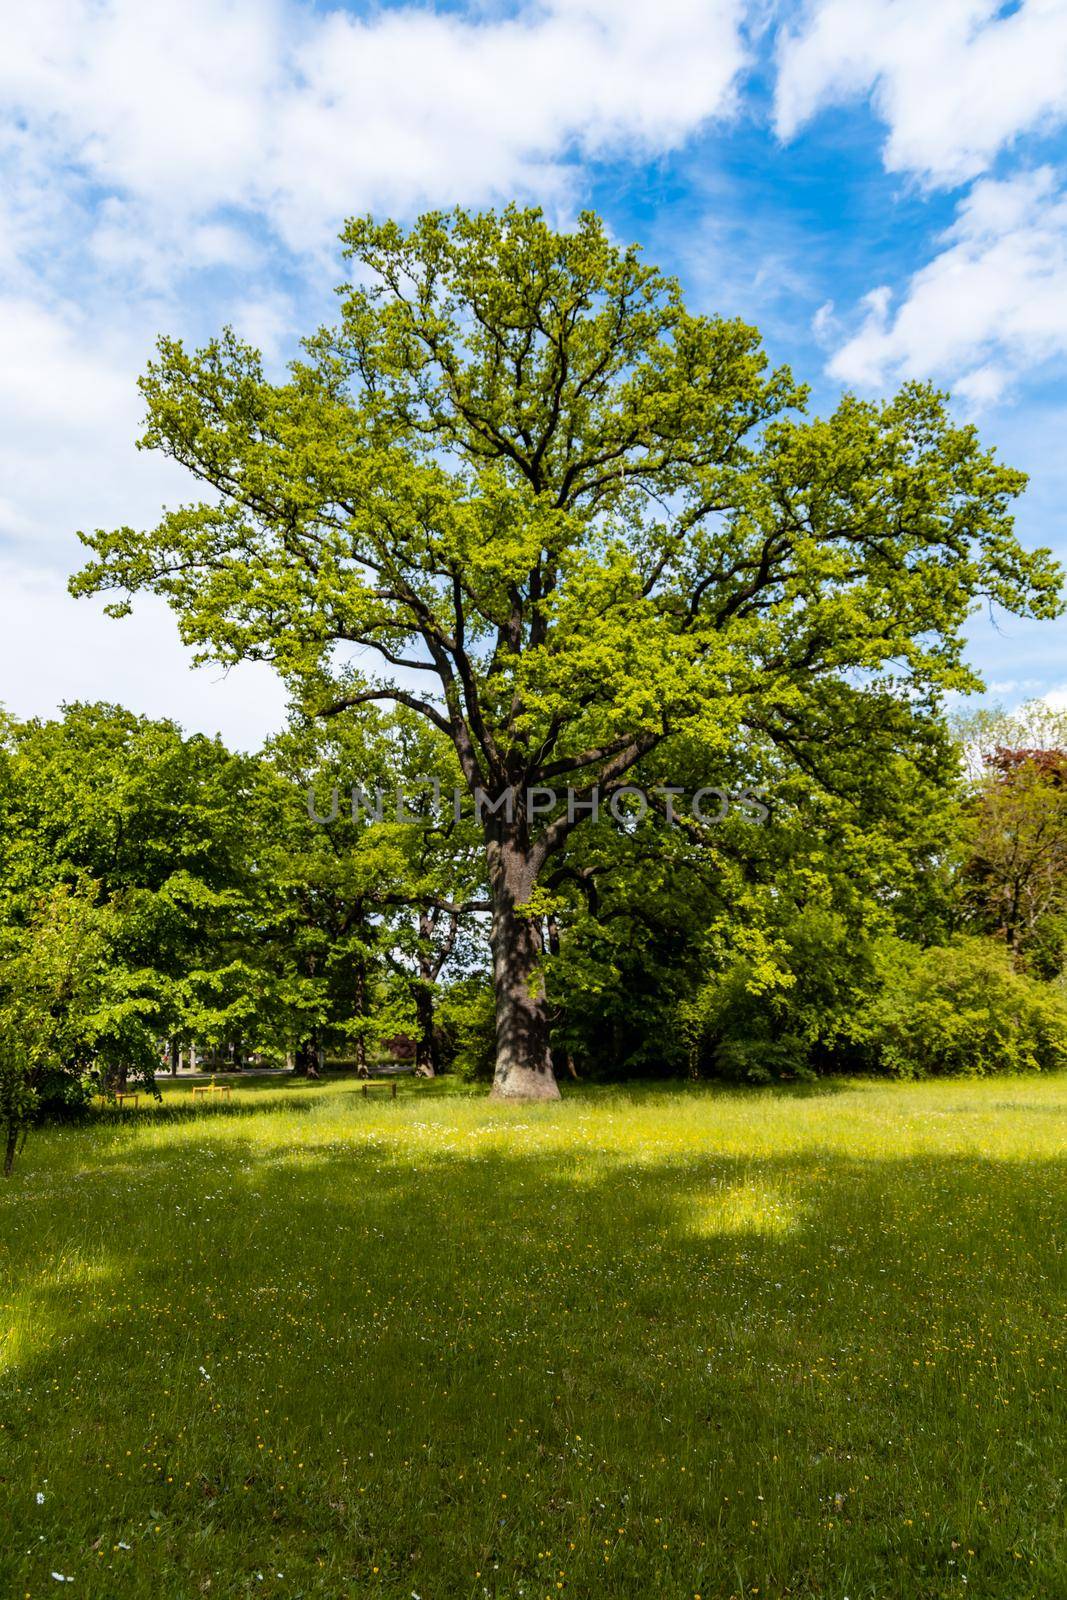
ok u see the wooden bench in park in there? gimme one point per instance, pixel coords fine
(380, 1083)
(213, 1088)
(122, 1095)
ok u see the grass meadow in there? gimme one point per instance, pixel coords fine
(669, 1342)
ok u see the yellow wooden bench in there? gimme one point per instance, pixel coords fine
(213, 1088)
(381, 1083)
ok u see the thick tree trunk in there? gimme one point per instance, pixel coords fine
(175, 1057)
(523, 1057)
(305, 1064)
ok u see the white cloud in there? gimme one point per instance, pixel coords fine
(956, 81)
(69, 415)
(990, 303)
(167, 99)
(183, 107)
(130, 242)
(54, 648)
(824, 323)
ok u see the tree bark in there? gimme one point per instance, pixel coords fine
(305, 1064)
(523, 1057)
(12, 1145)
(427, 1054)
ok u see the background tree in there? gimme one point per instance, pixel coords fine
(739, 945)
(435, 925)
(157, 821)
(366, 904)
(1016, 874)
(66, 1011)
(1011, 861)
(522, 473)
(1036, 725)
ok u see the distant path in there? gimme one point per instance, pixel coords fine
(185, 1076)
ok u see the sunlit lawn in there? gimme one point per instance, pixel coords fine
(661, 1343)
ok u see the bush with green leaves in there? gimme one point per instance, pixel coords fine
(960, 1010)
(783, 1004)
(810, 1000)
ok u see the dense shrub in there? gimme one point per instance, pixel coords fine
(784, 1005)
(815, 1003)
(63, 1093)
(960, 1010)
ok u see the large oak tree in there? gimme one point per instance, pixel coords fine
(570, 517)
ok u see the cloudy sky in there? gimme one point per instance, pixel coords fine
(881, 185)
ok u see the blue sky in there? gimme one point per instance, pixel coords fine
(880, 185)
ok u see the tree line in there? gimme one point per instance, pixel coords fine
(160, 892)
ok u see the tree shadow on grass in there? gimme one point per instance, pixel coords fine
(358, 1362)
(169, 1110)
(256, 1096)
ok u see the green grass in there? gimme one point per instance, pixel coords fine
(651, 1344)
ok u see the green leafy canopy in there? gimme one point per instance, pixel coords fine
(568, 515)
